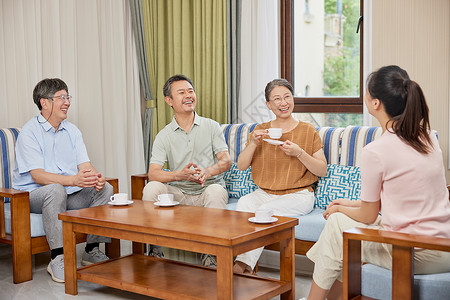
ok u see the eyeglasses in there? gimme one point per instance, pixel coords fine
(63, 98)
(278, 100)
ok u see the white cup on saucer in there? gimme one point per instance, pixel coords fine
(263, 214)
(165, 198)
(275, 133)
(119, 198)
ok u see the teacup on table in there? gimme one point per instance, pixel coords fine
(165, 198)
(119, 198)
(275, 133)
(263, 214)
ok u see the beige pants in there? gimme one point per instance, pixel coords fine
(327, 253)
(214, 196)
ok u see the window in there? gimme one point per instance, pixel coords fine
(321, 54)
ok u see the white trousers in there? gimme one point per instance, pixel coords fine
(327, 253)
(289, 205)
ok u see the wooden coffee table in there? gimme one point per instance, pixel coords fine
(219, 232)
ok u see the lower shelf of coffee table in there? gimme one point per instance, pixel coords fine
(168, 279)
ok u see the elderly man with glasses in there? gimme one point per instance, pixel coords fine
(52, 164)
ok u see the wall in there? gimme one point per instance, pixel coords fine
(415, 34)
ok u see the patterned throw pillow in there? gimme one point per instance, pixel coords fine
(340, 182)
(239, 183)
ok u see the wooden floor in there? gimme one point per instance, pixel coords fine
(43, 287)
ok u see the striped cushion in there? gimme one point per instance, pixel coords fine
(8, 137)
(236, 135)
(354, 139)
(331, 140)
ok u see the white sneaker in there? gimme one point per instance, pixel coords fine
(56, 268)
(93, 257)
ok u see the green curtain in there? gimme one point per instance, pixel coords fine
(187, 37)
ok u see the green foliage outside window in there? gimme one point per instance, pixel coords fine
(341, 72)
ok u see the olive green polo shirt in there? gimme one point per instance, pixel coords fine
(200, 146)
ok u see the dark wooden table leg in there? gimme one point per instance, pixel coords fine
(113, 248)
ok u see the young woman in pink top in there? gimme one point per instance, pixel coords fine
(402, 176)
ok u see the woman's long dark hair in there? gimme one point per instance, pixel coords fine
(405, 103)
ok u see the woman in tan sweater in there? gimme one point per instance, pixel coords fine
(283, 173)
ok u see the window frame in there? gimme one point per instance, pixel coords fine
(342, 104)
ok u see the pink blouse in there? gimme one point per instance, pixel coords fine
(411, 186)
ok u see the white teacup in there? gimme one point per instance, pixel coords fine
(165, 198)
(263, 214)
(119, 198)
(275, 133)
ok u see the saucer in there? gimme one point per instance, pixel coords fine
(121, 203)
(274, 142)
(271, 220)
(174, 203)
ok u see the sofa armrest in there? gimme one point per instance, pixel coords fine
(20, 208)
(403, 245)
(137, 185)
(20, 212)
(114, 182)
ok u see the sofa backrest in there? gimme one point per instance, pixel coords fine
(341, 145)
(354, 138)
(8, 137)
(236, 136)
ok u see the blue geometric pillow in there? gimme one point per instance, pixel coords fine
(340, 182)
(239, 183)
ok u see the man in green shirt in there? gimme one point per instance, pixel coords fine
(195, 149)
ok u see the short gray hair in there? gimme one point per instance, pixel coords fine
(277, 82)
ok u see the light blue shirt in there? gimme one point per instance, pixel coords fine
(40, 147)
(200, 146)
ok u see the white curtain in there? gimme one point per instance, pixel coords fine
(89, 44)
(259, 57)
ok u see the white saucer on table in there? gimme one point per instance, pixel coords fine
(120, 203)
(174, 203)
(274, 142)
(254, 220)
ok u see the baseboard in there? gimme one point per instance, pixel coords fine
(271, 259)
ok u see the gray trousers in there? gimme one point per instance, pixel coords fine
(51, 200)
